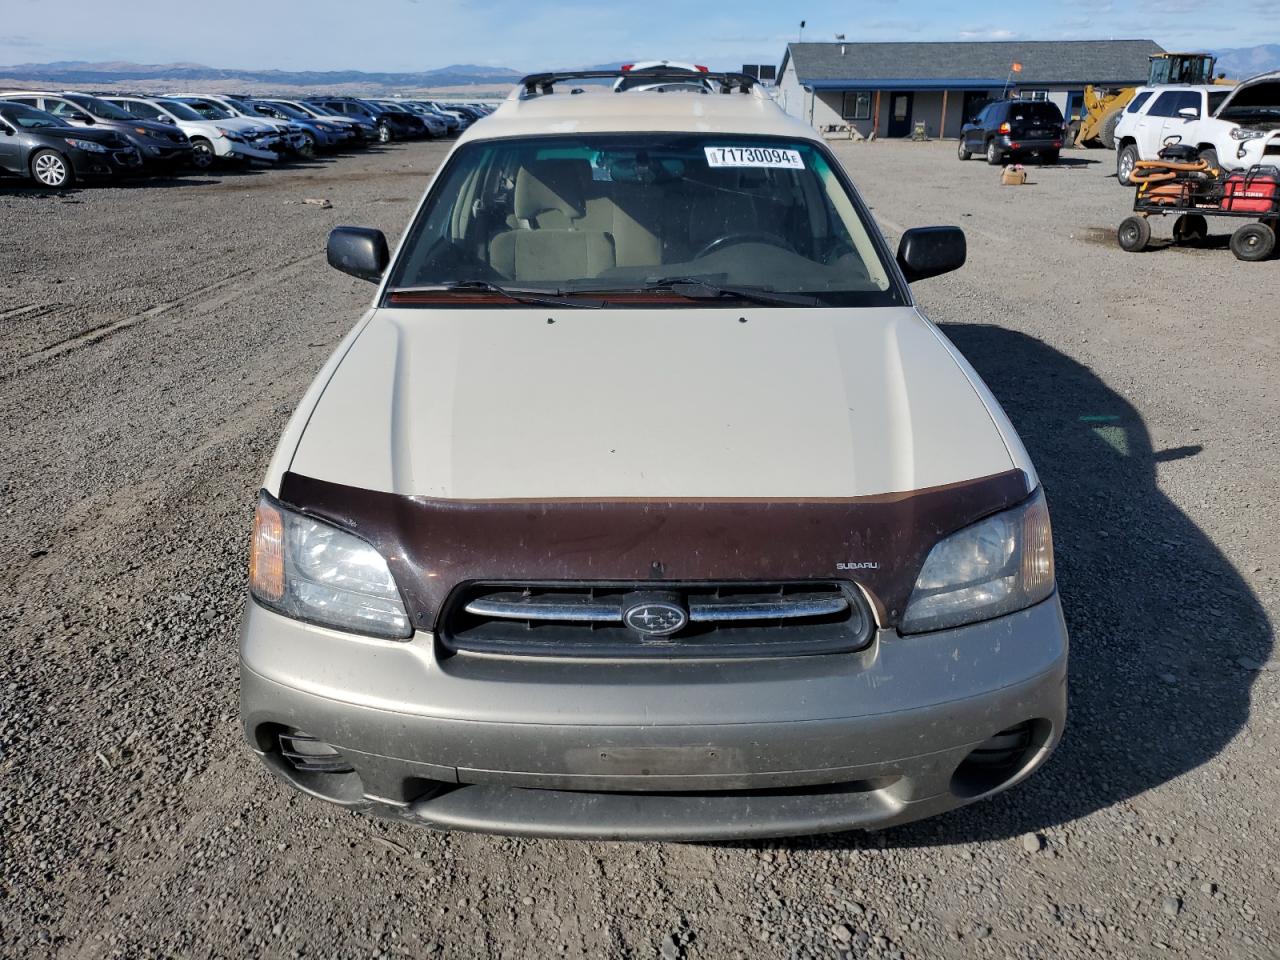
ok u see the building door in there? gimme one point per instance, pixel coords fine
(974, 101)
(900, 113)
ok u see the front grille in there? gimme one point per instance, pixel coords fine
(657, 620)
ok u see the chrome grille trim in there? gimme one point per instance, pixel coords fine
(519, 607)
(789, 608)
(544, 608)
(725, 619)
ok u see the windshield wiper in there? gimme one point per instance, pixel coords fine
(700, 288)
(546, 298)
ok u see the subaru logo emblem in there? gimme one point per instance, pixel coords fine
(655, 618)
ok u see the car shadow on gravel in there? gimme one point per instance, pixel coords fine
(1166, 635)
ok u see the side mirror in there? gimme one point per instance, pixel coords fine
(359, 251)
(930, 251)
(84, 118)
(1189, 113)
(169, 120)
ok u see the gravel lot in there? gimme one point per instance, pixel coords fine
(155, 339)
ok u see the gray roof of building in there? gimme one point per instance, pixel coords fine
(1103, 62)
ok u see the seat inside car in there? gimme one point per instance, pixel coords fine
(565, 225)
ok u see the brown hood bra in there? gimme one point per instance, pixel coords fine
(433, 546)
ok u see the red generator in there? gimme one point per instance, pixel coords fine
(1251, 192)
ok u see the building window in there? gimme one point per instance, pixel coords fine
(856, 106)
(1034, 95)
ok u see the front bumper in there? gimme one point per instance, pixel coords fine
(115, 162)
(250, 152)
(657, 749)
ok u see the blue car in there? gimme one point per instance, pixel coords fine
(325, 134)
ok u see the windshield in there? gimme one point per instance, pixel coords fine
(29, 118)
(638, 212)
(100, 108)
(237, 105)
(306, 108)
(179, 110)
(287, 110)
(210, 111)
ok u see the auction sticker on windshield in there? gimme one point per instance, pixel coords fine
(754, 157)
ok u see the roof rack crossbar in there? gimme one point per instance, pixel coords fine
(540, 84)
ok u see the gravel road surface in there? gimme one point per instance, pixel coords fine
(155, 339)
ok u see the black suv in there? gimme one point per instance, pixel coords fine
(159, 144)
(390, 125)
(1012, 129)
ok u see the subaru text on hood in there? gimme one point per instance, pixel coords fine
(644, 502)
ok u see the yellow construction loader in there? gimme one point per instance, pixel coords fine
(1102, 105)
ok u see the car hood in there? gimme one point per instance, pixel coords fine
(668, 403)
(95, 134)
(1263, 89)
(159, 131)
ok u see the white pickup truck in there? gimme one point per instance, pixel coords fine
(1233, 128)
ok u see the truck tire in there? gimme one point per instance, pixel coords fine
(1108, 134)
(1125, 160)
(1253, 242)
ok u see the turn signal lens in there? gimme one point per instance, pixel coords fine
(266, 559)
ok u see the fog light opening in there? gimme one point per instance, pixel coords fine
(306, 754)
(1000, 759)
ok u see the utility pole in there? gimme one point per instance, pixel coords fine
(801, 40)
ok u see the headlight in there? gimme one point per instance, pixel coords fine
(88, 146)
(1244, 133)
(312, 571)
(997, 566)
(229, 134)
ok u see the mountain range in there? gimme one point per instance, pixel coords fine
(1236, 62)
(1247, 62)
(81, 73)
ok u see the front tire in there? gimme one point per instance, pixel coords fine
(1108, 132)
(384, 133)
(1134, 234)
(308, 148)
(993, 154)
(1126, 160)
(51, 169)
(202, 153)
(1253, 242)
(961, 152)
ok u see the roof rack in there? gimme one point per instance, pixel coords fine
(540, 84)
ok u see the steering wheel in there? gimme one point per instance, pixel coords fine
(729, 239)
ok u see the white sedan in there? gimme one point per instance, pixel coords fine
(210, 139)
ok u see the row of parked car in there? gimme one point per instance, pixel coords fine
(57, 138)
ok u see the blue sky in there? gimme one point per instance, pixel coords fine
(400, 35)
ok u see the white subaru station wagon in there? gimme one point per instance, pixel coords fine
(644, 502)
